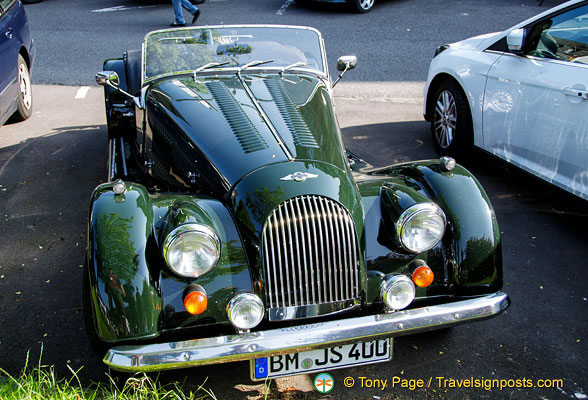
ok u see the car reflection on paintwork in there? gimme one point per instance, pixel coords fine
(521, 95)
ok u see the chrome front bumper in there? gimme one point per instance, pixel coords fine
(221, 349)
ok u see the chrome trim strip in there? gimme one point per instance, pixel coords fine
(336, 244)
(112, 159)
(319, 298)
(275, 278)
(279, 140)
(221, 349)
(329, 234)
(312, 310)
(303, 216)
(293, 244)
(284, 269)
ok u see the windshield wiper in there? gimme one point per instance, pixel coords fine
(211, 65)
(254, 63)
(287, 67)
(208, 66)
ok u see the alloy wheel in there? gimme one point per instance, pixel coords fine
(364, 5)
(445, 119)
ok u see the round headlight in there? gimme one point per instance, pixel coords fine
(421, 227)
(245, 310)
(191, 250)
(397, 292)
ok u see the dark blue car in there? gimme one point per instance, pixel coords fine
(16, 55)
(359, 5)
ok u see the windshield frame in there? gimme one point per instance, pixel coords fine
(231, 70)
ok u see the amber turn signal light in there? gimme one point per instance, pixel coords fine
(423, 276)
(195, 302)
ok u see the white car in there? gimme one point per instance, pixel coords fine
(520, 95)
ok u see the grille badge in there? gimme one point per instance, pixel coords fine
(298, 177)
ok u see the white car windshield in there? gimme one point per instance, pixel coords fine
(176, 51)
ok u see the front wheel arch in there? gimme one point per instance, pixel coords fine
(462, 135)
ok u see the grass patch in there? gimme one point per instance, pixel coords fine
(39, 382)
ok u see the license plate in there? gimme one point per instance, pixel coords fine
(312, 361)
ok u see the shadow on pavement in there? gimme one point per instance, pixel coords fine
(46, 183)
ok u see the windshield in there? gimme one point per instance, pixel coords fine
(183, 50)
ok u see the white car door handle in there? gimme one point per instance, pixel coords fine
(576, 93)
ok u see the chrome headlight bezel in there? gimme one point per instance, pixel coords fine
(206, 236)
(397, 281)
(237, 302)
(428, 211)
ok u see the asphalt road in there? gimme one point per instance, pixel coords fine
(394, 42)
(50, 164)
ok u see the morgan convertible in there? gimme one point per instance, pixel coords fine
(235, 226)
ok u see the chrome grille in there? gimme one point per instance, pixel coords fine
(310, 253)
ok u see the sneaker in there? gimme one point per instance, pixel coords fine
(176, 24)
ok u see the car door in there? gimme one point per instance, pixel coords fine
(8, 55)
(535, 112)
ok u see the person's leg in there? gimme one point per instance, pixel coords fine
(189, 6)
(178, 11)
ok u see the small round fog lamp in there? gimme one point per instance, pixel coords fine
(245, 311)
(397, 292)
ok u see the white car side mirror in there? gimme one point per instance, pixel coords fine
(515, 40)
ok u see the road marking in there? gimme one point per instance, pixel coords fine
(82, 92)
(284, 7)
(119, 8)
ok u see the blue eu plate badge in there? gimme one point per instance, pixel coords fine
(261, 368)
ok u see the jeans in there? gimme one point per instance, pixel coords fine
(178, 4)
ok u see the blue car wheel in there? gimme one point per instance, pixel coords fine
(363, 5)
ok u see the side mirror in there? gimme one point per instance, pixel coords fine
(515, 40)
(107, 78)
(111, 80)
(346, 62)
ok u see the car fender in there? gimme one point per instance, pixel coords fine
(134, 294)
(125, 300)
(473, 254)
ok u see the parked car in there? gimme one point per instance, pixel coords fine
(17, 54)
(361, 6)
(235, 226)
(520, 95)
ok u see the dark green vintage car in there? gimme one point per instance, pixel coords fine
(235, 226)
